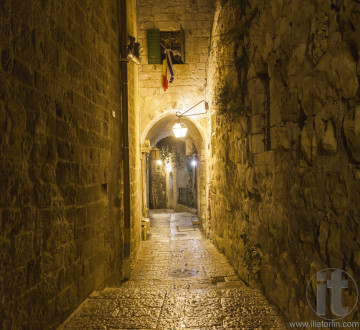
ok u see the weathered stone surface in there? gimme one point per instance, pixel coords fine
(308, 143)
(290, 205)
(343, 74)
(336, 187)
(278, 71)
(352, 132)
(60, 233)
(319, 33)
(188, 87)
(209, 296)
(328, 140)
(323, 238)
(313, 94)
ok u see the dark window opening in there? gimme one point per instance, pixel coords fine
(174, 41)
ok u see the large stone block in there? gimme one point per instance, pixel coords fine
(257, 143)
(329, 140)
(343, 74)
(336, 188)
(313, 94)
(22, 73)
(63, 173)
(258, 104)
(23, 248)
(6, 61)
(351, 127)
(257, 124)
(319, 33)
(44, 194)
(308, 143)
(11, 221)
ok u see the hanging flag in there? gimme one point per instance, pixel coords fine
(167, 64)
(164, 75)
(170, 66)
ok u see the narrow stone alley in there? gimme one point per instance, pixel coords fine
(179, 281)
(242, 114)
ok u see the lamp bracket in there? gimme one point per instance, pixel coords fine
(180, 114)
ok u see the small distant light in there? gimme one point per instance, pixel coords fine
(193, 162)
(159, 162)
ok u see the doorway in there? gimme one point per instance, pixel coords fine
(173, 175)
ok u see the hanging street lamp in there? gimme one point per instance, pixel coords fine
(180, 129)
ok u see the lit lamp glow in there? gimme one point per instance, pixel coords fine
(159, 162)
(193, 162)
(180, 130)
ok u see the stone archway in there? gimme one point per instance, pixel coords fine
(161, 128)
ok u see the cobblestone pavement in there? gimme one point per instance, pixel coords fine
(180, 281)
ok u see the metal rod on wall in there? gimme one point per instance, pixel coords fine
(125, 127)
(180, 114)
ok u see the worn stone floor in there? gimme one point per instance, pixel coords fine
(180, 281)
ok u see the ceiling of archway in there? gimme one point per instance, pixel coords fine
(163, 128)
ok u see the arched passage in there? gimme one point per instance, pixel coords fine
(160, 129)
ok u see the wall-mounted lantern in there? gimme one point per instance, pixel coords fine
(133, 50)
(179, 130)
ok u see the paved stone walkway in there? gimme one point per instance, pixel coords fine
(179, 282)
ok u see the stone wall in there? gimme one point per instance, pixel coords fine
(134, 142)
(188, 88)
(60, 200)
(286, 207)
(195, 17)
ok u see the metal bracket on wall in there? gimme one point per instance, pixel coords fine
(180, 114)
